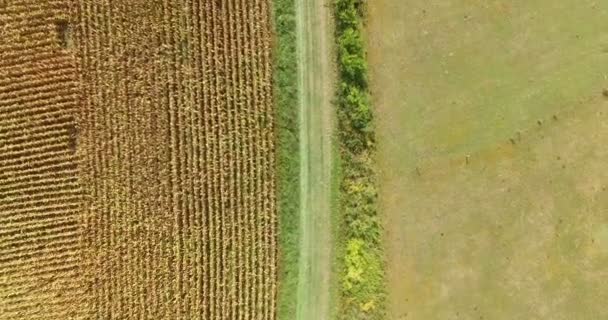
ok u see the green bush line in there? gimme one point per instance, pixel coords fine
(288, 179)
(362, 277)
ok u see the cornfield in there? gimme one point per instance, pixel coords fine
(136, 160)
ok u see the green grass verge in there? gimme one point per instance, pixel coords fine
(286, 104)
(362, 275)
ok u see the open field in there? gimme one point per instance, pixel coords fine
(491, 129)
(137, 173)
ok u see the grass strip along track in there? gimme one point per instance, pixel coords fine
(288, 155)
(137, 163)
(362, 293)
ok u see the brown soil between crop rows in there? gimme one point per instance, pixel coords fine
(136, 160)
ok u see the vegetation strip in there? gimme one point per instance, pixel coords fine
(286, 104)
(362, 275)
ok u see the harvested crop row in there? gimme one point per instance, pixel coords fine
(40, 198)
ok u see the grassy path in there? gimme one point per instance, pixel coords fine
(315, 84)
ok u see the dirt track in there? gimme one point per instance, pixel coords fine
(316, 89)
(167, 208)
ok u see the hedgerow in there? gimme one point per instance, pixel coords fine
(362, 276)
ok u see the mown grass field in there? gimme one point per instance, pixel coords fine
(491, 133)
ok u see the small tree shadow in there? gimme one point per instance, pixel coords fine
(73, 133)
(64, 33)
